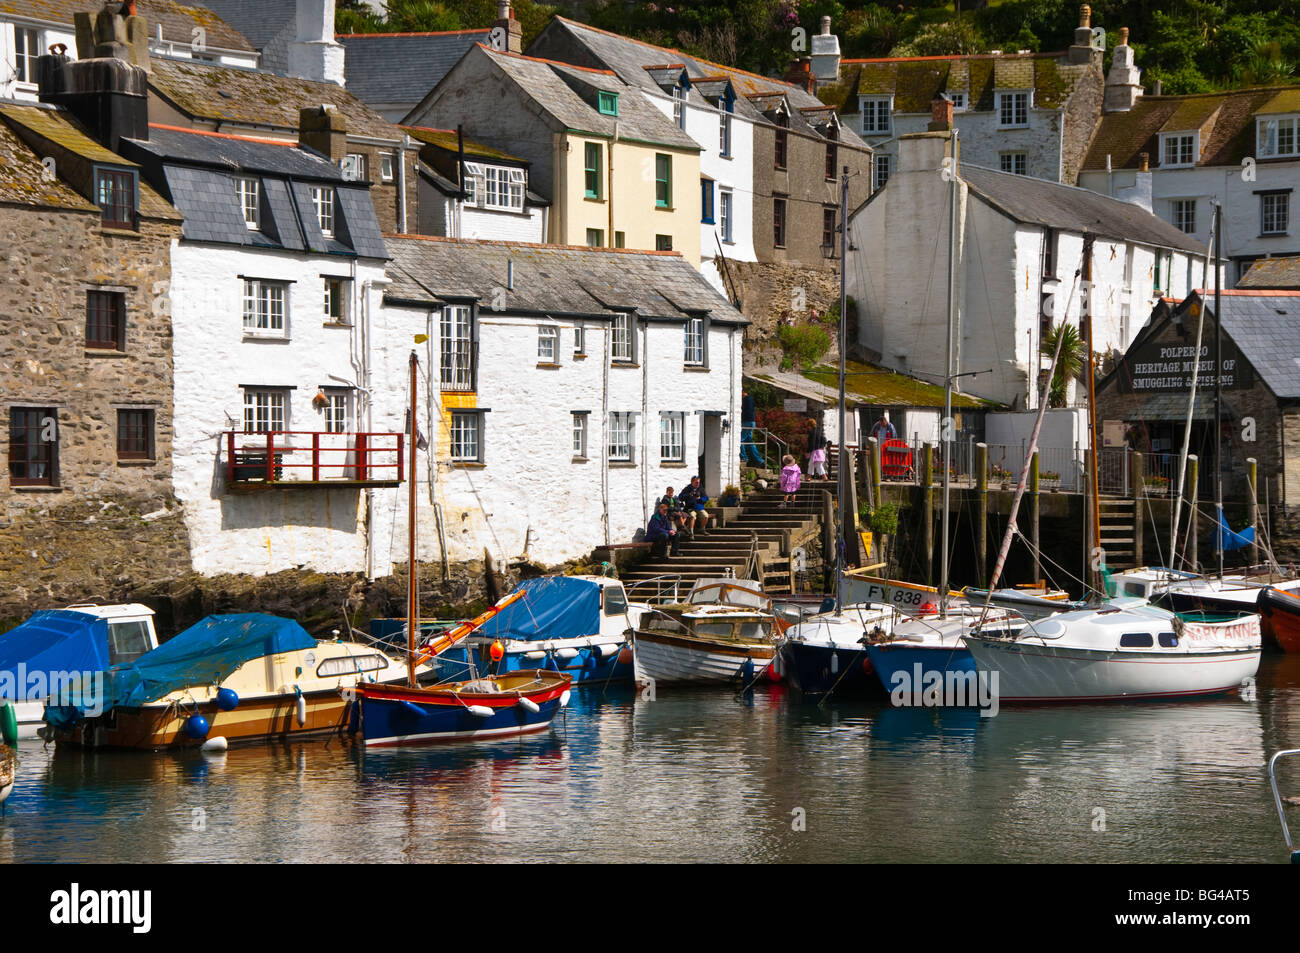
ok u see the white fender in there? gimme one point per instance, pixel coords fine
(300, 710)
(835, 662)
(530, 705)
(564, 699)
(481, 711)
(609, 648)
(216, 744)
(534, 656)
(566, 655)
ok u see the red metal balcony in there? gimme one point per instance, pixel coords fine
(297, 459)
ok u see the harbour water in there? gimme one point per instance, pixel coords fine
(702, 776)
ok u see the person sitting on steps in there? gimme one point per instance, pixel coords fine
(693, 500)
(660, 532)
(675, 511)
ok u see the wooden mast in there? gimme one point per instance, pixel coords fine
(412, 594)
(1094, 494)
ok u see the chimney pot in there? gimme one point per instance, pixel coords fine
(1144, 162)
(826, 26)
(1085, 15)
(1123, 36)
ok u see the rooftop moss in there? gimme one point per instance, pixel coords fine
(867, 384)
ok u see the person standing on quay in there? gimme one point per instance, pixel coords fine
(748, 414)
(791, 477)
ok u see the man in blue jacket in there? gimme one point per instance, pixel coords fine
(661, 531)
(693, 500)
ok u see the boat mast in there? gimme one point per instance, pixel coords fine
(412, 594)
(946, 424)
(1218, 400)
(841, 491)
(1094, 495)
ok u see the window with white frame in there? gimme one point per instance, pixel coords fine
(1125, 320)
(547, 344)
(880, 168)
(336, 300)
(724, 210)
(876, 112)
(250, 201)
(958, 101)
(1184, 215)
(1277, 136)
(724, 132)
(353, 166)
(694, 341)
(671, 443)
(579, 339)
(266, 410)
(503, 188)
(385, 167)
(265, 308)
(619, 437)
(456, 348)
(466, 437)
(679, 106)
(323, 199)
(1274, 213)
(1013, 162)
(1013, 109)
(471, 183)
(580, 434)
(621, 345)
(27, 48)
(1178, 149)
(336, 411)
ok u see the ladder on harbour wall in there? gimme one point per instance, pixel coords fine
(1120, 533)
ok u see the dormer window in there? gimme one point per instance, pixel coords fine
(250, 198)
(958, 101)
(679, 106)
(323, 200)
(353, 166)
(115, 196)
(1013, 109)
(1277, 136)
(27, 48)
(607, 103)
(876, 111)
(1178, 149)
(779, 152)
(494, 187)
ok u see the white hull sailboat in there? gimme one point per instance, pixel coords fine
(1119, 653)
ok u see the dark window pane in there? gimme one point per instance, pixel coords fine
(33, 446)
(106, 320)
(135, 434)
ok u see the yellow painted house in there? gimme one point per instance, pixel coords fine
(618, 172)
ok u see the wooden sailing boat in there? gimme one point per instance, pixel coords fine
(516, 703)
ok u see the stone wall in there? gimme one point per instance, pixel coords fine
(770, 291)
(84, 529)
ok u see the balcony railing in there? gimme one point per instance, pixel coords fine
(301, 458)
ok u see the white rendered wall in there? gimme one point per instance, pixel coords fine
(530, 487)
(274, 529)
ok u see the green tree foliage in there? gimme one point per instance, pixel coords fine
(432, 16)
(1068, 364)
(803, 346)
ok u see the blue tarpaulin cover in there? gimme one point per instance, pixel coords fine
(59, 640)
(206, 653)
(1229, 540)
(555, 607)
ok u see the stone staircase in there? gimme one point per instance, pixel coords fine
(763, 528)
(1118, 535)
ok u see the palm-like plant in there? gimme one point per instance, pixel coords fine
(1068, 365)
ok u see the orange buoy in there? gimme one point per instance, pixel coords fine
(497, 651)
(929, 609)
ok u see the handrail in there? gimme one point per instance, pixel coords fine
(1277, 800)
(261, 455)
(659, 588)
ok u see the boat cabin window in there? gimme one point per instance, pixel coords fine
(350, 665)
(1168, 640)
(615, 600)
(753, 630)
(663, 623)
(127, 641)
(1134, 589)
(1136, 640)
(720, 630)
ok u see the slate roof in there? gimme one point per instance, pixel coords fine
(176, 20)
(1275, 273)
(198, 171)
(402, 67)
(1053, 205)
(1262, 324)
(23, 178)
(916, 81)
(257, 20)
(553, 279)
(258, 98)
(558, 89)
(54, 132)
(446, 139)
(1228, 138)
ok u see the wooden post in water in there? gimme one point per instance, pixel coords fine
(849, 516)
(927, 508)
(1033, 514)
(1193, 518)
(1139, 506)
(982, 511)
(1252, 473)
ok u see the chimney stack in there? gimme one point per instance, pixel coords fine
(941, 114)
(1123, 85)
(1083, 51)
(800, 74)
(323, 129)
(107, 87)
(315, 54)
(1144, 162)
(512, 34)
(826, 55)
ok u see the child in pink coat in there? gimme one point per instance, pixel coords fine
(791, 477)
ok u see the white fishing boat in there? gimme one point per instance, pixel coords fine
(725, 632)
(1126, 650)
(828, 652)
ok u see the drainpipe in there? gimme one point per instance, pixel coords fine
(401, 185)
(604, 416)
(609, 187)
(645, 414)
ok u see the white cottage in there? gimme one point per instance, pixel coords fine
(1017, 260)
(274, 280)
(562, 389)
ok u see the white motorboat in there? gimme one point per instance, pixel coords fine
(828, 652)
(1126, 650)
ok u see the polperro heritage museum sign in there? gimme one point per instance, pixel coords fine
(1161, 367)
